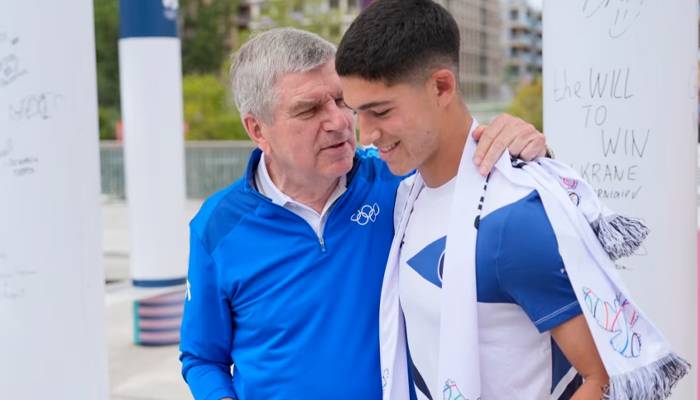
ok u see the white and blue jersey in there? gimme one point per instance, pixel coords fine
(522, 291)
(296, 316)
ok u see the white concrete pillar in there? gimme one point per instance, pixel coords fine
(52, 333)
(620, 104)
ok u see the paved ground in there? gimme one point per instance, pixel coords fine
(135, 372)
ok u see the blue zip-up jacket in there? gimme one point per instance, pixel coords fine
(295, 315)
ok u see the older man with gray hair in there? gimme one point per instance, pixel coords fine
(286, 264)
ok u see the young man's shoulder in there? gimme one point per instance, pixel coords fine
(529, 267)
(518, 226)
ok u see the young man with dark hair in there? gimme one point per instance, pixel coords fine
(476, 282)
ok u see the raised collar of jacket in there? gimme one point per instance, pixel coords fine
(270, 190)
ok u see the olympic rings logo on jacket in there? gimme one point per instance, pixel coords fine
(366, 214)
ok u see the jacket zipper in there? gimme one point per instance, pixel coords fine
(321, 240)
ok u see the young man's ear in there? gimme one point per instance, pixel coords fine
(444, 84)
(254, 128)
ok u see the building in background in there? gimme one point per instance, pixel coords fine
(328, 18)
(481, 53)
(522, 36)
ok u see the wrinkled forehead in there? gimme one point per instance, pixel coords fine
(315, 84)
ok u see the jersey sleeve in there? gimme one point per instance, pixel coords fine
(530, 269)
(206, 332)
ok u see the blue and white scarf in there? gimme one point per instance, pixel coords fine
(638, 359)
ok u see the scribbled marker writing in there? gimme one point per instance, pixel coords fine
(23, 166)
(10, 69)
(627, 142)
(621, 14)
(42, 106)
(5, 151)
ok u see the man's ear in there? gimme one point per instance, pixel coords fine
(254, 128)
(444, 86)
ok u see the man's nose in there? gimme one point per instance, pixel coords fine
(369, 134)
(338, 119)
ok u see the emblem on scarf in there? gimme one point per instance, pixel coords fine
(618, 318)
(452, 392)
(570, 185)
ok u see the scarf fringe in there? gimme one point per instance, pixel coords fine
(651, 382)
(620, 236)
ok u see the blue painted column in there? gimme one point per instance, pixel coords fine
(151, 95)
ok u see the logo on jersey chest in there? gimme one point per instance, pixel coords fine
(366, 214)
(430, 262)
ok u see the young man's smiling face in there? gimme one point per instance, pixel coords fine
(401, 120)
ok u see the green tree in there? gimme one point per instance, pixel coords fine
(310, 15)
(106, 13)
(208, 111)
(108, 118)
(208, 33)
(527, 103)
(208, 29)
(106, 44)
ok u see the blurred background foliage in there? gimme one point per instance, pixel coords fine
(106, 37)
(210, 30)
(527, 103)
(209, 114)
(209, 33)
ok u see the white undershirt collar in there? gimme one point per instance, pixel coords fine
(311, 216)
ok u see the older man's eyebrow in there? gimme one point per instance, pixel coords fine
(373, 104)
(303, 105)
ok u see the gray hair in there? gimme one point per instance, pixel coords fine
(268, 56)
